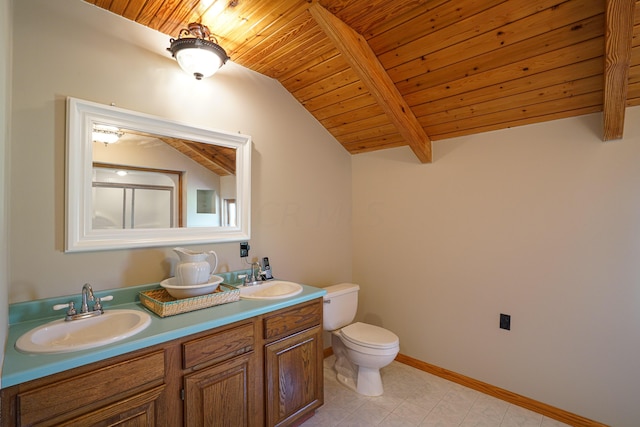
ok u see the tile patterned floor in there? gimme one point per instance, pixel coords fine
(416, 398)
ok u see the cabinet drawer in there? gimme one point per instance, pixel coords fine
(219, 346)
(57, 401)
(289, 321)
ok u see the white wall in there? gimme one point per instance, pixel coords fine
(5, 116)
(540, 222)
(301, 176)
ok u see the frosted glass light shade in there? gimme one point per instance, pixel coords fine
(199, 62)
(105, 134)
(196, 52)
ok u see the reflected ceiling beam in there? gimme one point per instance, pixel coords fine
(219, 160)
(359, 55)
(619, 17)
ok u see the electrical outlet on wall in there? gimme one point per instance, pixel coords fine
(505, 321)
(244, 249)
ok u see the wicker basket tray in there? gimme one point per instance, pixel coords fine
(161, 303)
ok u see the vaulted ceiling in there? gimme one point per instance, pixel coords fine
(380, 74)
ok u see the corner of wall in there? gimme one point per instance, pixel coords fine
(5, 111)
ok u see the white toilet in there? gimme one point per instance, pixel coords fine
(360, 349)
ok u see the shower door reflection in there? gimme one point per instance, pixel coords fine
(134, 199)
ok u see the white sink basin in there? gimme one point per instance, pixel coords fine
(61, 336)
(273, 289)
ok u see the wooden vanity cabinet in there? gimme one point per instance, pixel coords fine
(222, 382)
(294, 386)
(219, 396)
(263, 371)
(125, 391)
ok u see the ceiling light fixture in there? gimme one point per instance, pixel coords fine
(197, 51)
(106, 134)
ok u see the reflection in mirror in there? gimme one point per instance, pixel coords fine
(135, 180)
(196, 169)
(125, 197)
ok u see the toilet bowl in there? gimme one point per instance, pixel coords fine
(361, 350)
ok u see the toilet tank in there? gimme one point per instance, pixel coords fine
(340, 305)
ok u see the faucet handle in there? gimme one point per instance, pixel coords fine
(98, 304)
(62, 306)
(70, 305)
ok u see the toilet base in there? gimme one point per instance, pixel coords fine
(362, 380)
(369, 382)
(346, 381)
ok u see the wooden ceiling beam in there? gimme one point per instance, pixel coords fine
(214, 161)
(619, 17)
(359, 55)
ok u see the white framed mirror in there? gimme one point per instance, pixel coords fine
(134, 180)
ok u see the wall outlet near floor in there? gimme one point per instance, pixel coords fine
(505, 321)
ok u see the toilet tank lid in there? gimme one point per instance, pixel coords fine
(370, 335)
(340, 289)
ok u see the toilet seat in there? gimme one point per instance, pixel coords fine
(370, 336)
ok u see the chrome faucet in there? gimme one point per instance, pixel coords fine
(253, 278)
(87, 295)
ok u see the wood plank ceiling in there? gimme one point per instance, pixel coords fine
(380, 74)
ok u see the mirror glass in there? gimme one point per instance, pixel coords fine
(135, 180)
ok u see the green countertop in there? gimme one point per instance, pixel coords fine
(20, 367)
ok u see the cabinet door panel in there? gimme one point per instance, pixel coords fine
(294, 376)
(220, 395)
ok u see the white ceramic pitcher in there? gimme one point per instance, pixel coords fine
(195, 268)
